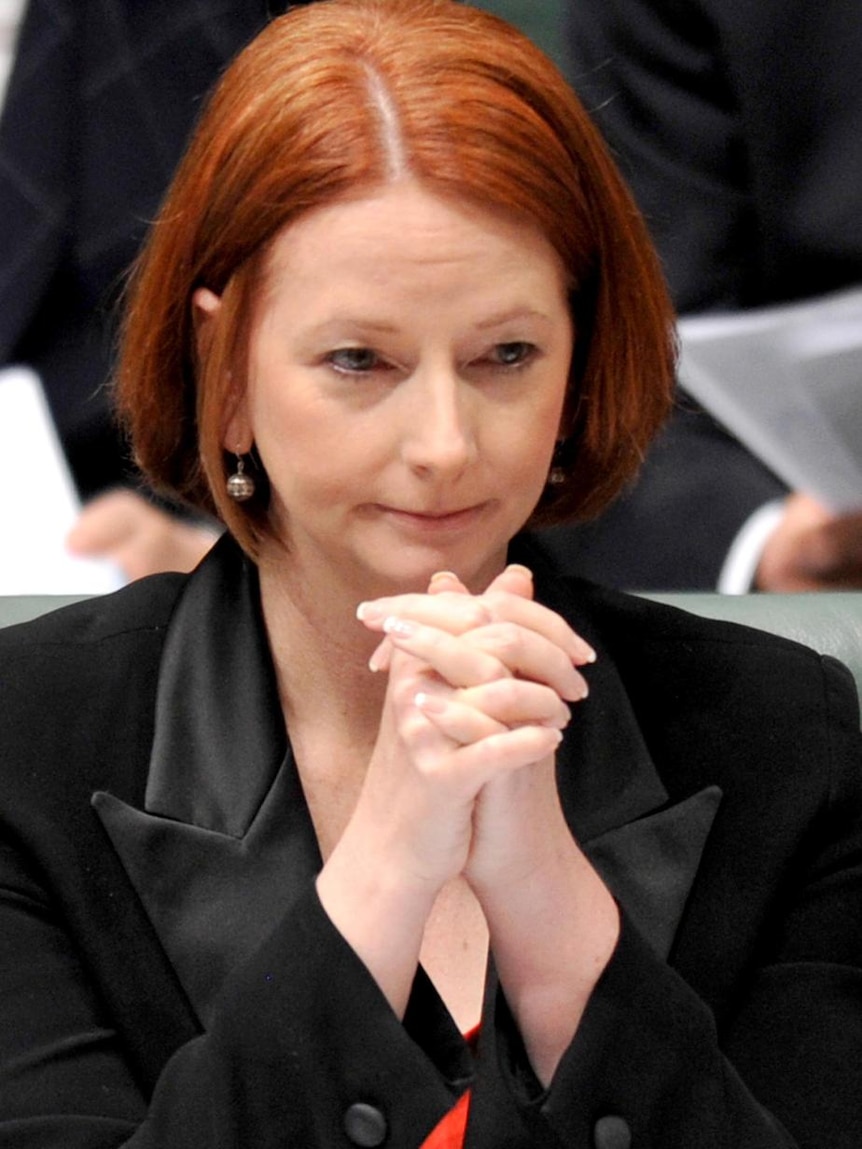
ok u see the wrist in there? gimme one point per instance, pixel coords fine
(380, 914)
(552, 938)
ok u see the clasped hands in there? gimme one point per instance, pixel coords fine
(461, 788)
(478, 694)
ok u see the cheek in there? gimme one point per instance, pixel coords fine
(284, 417)
(521, 457)
(539, 426)
(307, 450)
(532, 446)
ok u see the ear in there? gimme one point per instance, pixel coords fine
(236, 431)
(205, 307)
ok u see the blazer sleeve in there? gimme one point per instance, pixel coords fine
(303, 1048)
(780, 1067)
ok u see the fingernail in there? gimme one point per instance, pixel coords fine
(579, 692)
(439, 576)
(519, 568)
(368, 612)
(429, 703)
(400, 627)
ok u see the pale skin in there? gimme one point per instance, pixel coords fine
(127, 530)
(407, 374)
(812, 549)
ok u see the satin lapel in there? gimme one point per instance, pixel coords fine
(650, 864)
(220, 735)
(646, 850)
(224, 843)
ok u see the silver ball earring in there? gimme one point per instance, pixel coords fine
(557, 474)
(240, 486)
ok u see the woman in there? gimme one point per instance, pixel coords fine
(325, 844)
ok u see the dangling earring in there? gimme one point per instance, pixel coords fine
(240, 486)
(557, 473)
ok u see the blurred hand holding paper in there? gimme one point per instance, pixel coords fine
(38, 500)
(787, 382)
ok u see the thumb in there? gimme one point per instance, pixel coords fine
(515, 579)
(446, 582)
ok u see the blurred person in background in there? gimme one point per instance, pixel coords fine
(739, 129)
(100, 100)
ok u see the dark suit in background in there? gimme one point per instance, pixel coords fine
(739, 129)
(101, 99)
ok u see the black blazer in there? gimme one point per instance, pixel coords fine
(100, 102)
(169, 979)
(739, 130)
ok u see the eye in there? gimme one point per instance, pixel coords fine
(513, 354)
(355, 360)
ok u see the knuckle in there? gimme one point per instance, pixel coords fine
(504, 638)
(506, 693)
(403, 690)
(476, 613)
(413, 728)
(491, 671)
(495, 601)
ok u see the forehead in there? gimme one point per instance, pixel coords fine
(403, 231)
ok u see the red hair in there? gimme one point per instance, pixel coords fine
(337, 98)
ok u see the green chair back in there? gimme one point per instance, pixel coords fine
(828, 621)
(22, 607)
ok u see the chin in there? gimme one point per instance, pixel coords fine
(475, 571)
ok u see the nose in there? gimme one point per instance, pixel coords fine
(440, 424)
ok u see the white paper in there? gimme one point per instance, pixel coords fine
(38, 500)
(787, 381)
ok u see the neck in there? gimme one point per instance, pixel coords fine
(331, 700)
(320, 649)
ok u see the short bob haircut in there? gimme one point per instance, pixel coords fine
(306, 116)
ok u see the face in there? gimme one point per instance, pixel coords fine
(406, 379)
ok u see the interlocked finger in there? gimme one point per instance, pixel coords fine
(458, 661)
(527, 654)
(481, 742)
(461, 613)
(514, 702)
(469, 715)
(457, 720)
(488, 653)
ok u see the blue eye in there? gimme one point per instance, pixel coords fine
(354, 360)
(513, 354)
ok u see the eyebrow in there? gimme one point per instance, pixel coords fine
(347, 319)
(385, 328)
(514, 313)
